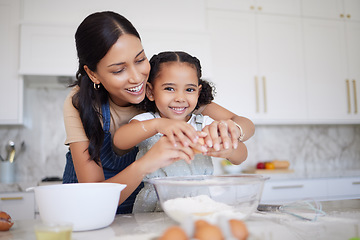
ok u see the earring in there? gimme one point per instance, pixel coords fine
(96, 86)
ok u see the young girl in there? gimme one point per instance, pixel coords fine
(174, 91)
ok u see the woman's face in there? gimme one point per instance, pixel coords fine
(124, 71)
(175, 90)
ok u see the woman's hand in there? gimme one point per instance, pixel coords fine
(222, 135)
(178, 131)
(164, 153)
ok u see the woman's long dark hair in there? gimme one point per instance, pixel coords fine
(94, 37)
(207, 92)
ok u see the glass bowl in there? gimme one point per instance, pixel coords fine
(209, 197)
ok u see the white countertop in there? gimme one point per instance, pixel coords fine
(341, 222)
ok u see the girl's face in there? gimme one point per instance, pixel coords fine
(175, 90)
(124, 71)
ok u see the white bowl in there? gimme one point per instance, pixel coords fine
(87, 206)
(209, 197)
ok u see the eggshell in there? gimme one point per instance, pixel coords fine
(238, 229)
(174, 233)
(201, 141)
(5, 221)
(206, 231)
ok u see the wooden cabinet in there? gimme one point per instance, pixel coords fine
(332, 60)
(258, 67)
(19, 205)
(11, 90)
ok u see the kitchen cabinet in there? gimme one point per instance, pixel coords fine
(332, 60)
(19, 205)
(11, 90)
(283, 191)
(331, 9)
(280, 7)
(47, 37)
(344, 188)
(258, 65)
(321, 189)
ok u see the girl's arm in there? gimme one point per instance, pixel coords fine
(162, 154)
(131, 134)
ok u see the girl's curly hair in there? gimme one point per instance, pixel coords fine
(207, 92)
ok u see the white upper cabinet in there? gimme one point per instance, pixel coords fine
(279, 7)
(48, 29)
(332, 9)
(258, 65)
(332, 60)
(11, 90)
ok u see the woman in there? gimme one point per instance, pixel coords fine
(111, 78)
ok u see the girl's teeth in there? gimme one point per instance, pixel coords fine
(135, 89)
(179, 109)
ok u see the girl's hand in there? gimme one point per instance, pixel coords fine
(223, 132)
(164, 153)
(177, 130)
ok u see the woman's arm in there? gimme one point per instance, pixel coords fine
(131, 134)
(224, 130)
(162, 154)
(218, 113)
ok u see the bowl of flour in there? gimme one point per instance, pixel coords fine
(209, 197)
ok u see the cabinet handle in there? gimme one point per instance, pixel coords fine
(348, 95)
(355, 183)
(265, 97)
(259, 8)
(355, 96)
(257, 93)
(348, 16)
(286, 187)
(341, 15)
(11, 198)
(252, 7)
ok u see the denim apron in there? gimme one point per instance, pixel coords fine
(112, 164)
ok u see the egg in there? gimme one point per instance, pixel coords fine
(238, 229)
(201, 141)
(5, 221)
(206, 231)
(174, 233)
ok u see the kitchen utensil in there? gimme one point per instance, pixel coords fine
(87, 206)
(308, 210)
(10, 148)
(209, 197)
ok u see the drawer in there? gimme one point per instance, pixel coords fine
(293, 190)
(19, 205)
(344, 188)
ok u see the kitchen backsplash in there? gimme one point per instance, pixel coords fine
(308, 147)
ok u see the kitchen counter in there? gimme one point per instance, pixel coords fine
(342, 221)
(19, 187)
